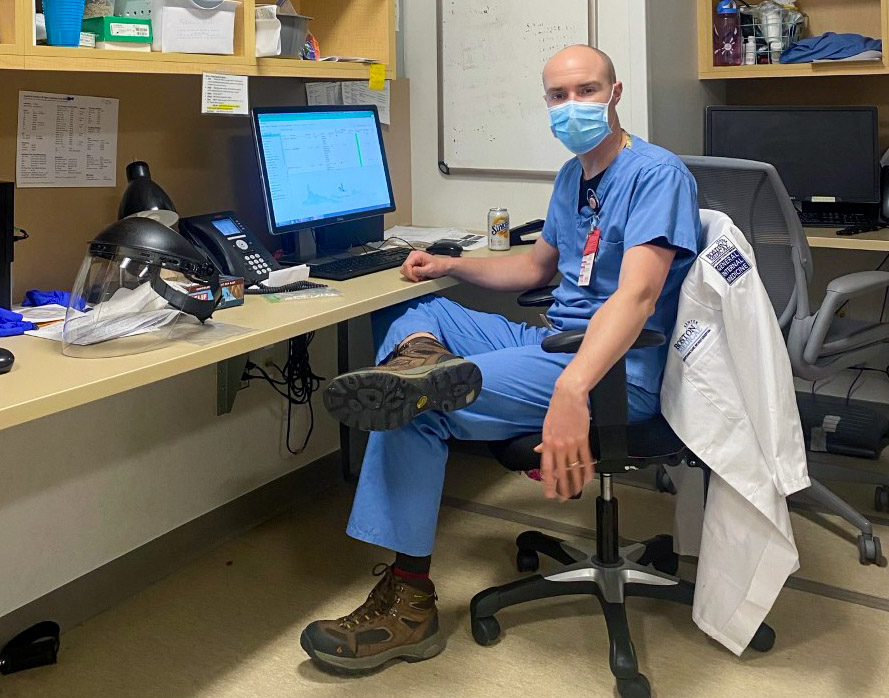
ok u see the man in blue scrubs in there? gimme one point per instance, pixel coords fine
(622, 229)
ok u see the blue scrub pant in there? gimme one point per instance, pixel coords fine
(400, 487)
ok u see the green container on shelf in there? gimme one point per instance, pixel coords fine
(128, 30)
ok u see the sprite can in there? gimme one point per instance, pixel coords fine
(498, 229)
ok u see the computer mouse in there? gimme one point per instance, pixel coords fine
(452, 249)
(7, 359)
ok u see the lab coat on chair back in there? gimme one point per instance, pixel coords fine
(728, 394)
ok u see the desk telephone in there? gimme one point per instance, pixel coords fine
(230, 244)
(236, 250)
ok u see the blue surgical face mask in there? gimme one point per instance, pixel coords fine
(580, 126)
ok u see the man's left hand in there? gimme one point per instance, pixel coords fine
(566, 464)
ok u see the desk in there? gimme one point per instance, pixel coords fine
(877, 241)
(44, 381)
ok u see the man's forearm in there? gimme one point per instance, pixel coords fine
(610, 334)
(511, 273)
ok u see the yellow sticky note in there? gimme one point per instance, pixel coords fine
(377, 76)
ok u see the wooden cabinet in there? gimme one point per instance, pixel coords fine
(342, 27)
(866, 17)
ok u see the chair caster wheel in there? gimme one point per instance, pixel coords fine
(668, 564)
(881, 498)
(485, 630)
(870, 552)
(637, 687)
(527, 561)
(764, 639)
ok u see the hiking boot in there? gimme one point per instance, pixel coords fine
(421, 375)
(398, 620)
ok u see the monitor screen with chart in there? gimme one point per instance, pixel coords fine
(321, 166)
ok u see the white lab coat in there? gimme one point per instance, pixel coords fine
(728, 394)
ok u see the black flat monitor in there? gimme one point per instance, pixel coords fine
(823, 154)
(324, 168)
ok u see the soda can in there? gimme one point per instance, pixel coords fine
(498, 229)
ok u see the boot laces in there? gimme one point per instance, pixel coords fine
(382, 599)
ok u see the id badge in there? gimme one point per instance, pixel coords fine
(588, 261)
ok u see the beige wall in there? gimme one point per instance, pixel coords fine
(662, 102)
(204, 162)
(85, 486)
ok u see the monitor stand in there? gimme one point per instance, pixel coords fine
(334, 239)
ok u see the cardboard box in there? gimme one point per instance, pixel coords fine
(232, 291)
(128, 30)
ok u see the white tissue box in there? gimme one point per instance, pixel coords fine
(268, 37)
(193, 26)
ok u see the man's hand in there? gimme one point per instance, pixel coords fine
(421, 266)
(566, 464)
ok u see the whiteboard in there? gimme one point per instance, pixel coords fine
(491, 113)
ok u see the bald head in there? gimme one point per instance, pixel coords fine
(583, 74)
(582, 57)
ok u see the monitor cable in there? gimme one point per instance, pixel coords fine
(297, 383)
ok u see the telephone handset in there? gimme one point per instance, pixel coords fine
(231, 245)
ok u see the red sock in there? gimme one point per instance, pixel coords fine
(409, 575)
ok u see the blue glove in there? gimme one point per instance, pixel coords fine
(12, 325)
(35, 298)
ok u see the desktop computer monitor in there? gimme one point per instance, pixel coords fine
(823, 154)
(324, 168)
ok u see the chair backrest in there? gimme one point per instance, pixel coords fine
(753, 196)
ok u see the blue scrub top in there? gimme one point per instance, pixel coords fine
(646, 196)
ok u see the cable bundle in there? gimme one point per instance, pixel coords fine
(297, 383)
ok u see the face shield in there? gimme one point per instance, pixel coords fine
(134, 293)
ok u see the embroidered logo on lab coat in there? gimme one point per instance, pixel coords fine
(693, 334)
(725, 258)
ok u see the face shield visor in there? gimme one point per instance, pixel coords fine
(134, 297)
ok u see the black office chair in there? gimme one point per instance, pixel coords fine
(609, 572)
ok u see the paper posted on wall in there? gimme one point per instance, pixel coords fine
(66, 141)
(349, 92)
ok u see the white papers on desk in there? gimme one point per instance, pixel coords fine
(85, 330)
(350, 92)
(66, 141)
(51, 312)
(287, 275)
(423, 237)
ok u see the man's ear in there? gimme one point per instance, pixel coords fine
(618, 91)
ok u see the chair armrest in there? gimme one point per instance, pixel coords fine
(860, 282)
(839, 291)
(608, 399)
(537, 297)
(569, 342)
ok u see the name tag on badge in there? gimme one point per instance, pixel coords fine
(588, 261)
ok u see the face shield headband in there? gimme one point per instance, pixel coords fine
(198, 272)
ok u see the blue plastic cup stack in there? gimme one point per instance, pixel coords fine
(63, 19)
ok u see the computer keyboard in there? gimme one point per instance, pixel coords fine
(834, 219)
(359, 265)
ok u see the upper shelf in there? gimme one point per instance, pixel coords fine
(342, 27)
(865, 17)
(797, 70)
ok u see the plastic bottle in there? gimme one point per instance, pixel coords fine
(750, 51)
(727, 34)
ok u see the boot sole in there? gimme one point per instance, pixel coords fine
(377, 400)
(349, 666)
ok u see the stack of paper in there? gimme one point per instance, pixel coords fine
(421, 238)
